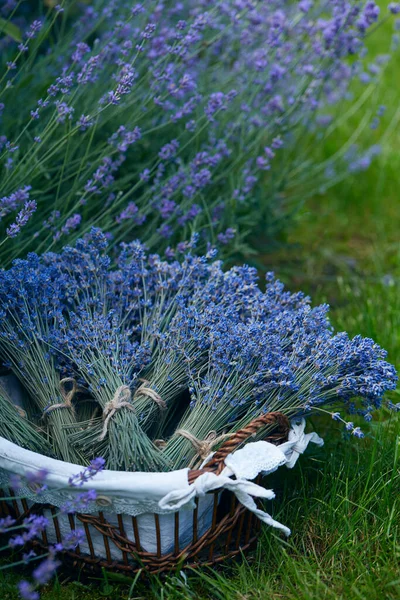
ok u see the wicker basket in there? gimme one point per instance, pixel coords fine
(228, 530)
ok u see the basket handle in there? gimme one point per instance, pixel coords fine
(216, 463)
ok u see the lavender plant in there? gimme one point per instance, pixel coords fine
(160, 119)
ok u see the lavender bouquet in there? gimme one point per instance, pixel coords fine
(155, 120)
(32, 297)
(176, 354)
(295, 365)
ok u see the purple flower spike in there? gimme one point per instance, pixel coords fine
(27, 591)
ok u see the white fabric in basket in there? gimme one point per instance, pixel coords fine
(143, 494)
(120, 492)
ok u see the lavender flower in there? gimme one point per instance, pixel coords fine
(22, 218)
(33, 526)
(14, 200)
(179, 111)
(27, 591)
(96, 465)
(6, 523)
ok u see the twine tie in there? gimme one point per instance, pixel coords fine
(203, 447)
(145, 390)
(120, 400)
(68, 396)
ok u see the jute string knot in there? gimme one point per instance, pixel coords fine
(68, 395)
(145, 390)
(203, 447)
(160, 444)
(120, 400)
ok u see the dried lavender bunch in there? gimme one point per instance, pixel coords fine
(95, 345)
(242, 368)
(113, 324)
(108, 362)
(232, 296)
(32, 297)
(104, 324)
(115, 315)
(284, 357)
(153, 291)
(158, 119)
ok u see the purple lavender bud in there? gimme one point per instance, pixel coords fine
(45, 571)
(34, 29)
(227, 236)
(216, 102)
(96, 465)
(165, 231)
(64, 111)
(148, 31)
(27, 591)
(28, 556)
(6, 523)
(169, 150)
(25, 214)
(71, 224)
(375, 123)
(137, 9)
(71, 541)
(128, 213)
(357, 432)
(305, 5)
(145, 175)
(81, 50)
(202, 178)
(84, 122)
(269, 152)
(263, 163)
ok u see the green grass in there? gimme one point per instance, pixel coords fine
(341, 502)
